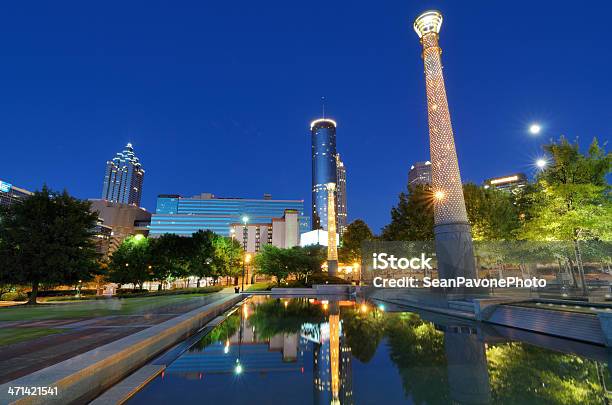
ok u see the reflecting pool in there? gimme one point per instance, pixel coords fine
(308, 351)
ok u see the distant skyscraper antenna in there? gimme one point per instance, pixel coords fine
(323, 105)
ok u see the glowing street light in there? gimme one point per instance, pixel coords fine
(238, 368)
(139, 237)
(535, 129)
(439, 195)
(541, 163)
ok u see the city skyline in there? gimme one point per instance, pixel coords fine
(193, 137)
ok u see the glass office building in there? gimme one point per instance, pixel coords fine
(185, 216)
(323, 133)
(123, 178)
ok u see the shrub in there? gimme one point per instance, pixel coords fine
(14, 296)
(62, 293)
(182, 291)
(324, 278)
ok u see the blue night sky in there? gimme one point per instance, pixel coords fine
(217, 96)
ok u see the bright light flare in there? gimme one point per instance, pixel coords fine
(439, 195)
(541, 163)
(245, 219)
(238, 368)
(535, 129)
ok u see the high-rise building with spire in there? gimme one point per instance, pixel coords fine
(323, 131)
(327, 167)
(123, 178)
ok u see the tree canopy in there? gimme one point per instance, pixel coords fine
(47, 240)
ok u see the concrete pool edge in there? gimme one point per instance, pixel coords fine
(85, 376)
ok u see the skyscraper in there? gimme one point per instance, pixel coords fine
(340, 195)
(420, 173)
(451, 227)
(123, 178)
(324, 170)
(512, 183)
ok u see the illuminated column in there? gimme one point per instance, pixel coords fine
(454, 249)
(332, 250)
(334, 356)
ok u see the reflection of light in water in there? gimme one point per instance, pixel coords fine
(245, 311)
(334, 350)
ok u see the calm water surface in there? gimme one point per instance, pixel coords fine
(300, 351)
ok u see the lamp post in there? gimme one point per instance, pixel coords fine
(245, 220)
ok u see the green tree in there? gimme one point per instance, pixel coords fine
(170, 255)
(491, 213)
(132, 263)
(47, 240)
(355, 234)
(227, 257)
(273, 261)
(571, 199)
(412, 218)
(201, 261)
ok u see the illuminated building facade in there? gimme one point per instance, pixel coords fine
(123, 178)
(420, 173)
(281, 232)
(512, 183)
(10, 194)
(452, 230)
(324, 168)
(185, 216)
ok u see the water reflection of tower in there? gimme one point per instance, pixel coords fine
(332, 371)
(468, 378)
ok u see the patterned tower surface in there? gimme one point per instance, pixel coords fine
(454, 249)
(332, 250)
(449, 204)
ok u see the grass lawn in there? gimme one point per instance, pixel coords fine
(93, 308)
(259, 286)
(14, 335)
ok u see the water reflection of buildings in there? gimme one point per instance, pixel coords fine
(282, 352)
(332, 371)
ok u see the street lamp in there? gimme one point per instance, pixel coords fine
(245, 220)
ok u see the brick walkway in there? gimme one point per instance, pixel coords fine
(79, 336)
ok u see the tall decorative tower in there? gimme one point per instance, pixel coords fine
(340, 195)
(453, 238)
(332, 249)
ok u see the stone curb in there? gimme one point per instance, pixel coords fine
(83, 377)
